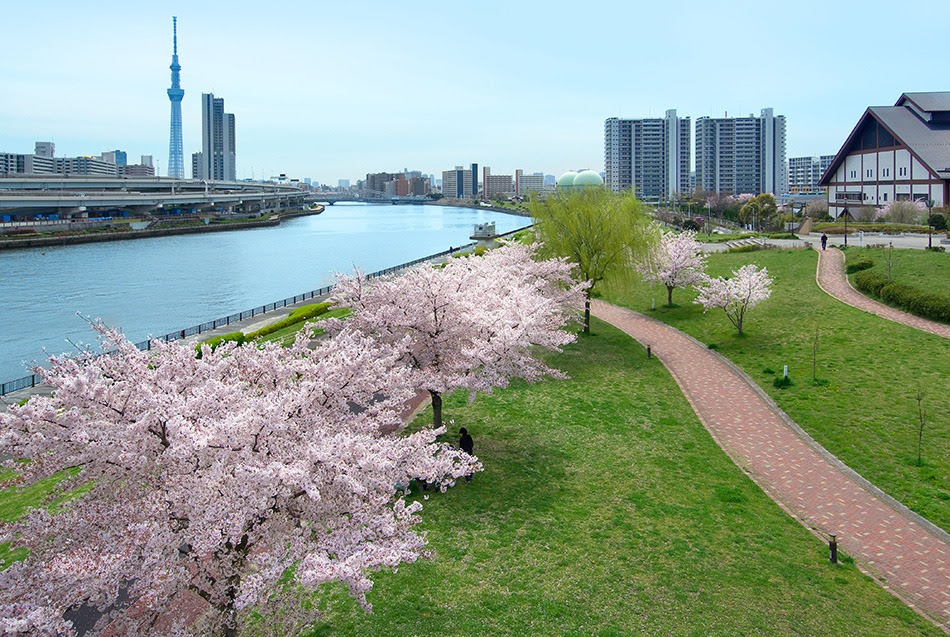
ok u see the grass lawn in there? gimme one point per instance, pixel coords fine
(286, 335)
(920, 268)
(866, 414)
(606, 509)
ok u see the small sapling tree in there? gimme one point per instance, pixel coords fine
(735, 296)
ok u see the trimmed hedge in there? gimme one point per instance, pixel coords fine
(749, 248)
(857, 226)
(907, 297)
(858, 264)
(299, 315)
(233, 337)
(871, 282)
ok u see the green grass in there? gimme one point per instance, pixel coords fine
(16, 500)
(606, 509)
(866, 413)
(287, 334)
(921, 268)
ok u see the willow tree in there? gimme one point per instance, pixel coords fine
(601, 232)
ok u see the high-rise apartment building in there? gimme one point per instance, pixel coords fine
(457, 184)
(804, 173)
(528, 183)
(649, 156)
(736, 155)
(493, 185)
(218, 151)
(45, 149)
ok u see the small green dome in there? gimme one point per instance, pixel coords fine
(588, 178)
(566, 180)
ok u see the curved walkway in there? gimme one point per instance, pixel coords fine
(909, 556)
(832, 279)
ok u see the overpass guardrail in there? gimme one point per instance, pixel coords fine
(33, 380)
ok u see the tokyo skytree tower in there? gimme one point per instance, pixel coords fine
(176, 160)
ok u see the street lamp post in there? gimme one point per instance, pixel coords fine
(930, 209)
(844, 213)
(755, 215)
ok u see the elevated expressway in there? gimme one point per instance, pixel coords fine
(24, 197)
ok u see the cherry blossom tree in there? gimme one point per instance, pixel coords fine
(676, 261)
(748, 287)
(214, 475)
(472, 323)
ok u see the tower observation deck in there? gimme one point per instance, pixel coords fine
(176, 160)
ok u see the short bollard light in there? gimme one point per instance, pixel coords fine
(653, 303)
(833, 548)
(786, 371)
(649, 352)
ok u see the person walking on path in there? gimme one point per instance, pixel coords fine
(467, 445)
(824, 241)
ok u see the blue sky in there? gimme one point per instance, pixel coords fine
(334, 90)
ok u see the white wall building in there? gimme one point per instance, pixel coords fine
(528, 183)
(899, 152)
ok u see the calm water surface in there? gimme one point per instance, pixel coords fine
(156, 286)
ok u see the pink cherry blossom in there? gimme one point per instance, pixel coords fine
(748, 287)
(676, 261)
(215, 475)
(473, 323)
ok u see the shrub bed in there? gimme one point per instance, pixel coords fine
(236, 337)
(299, 315)
(749, 248)
(907, 297)
(858, 264)
(887, 228)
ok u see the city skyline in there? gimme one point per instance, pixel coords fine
(315, 101)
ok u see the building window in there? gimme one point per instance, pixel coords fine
(885, 196)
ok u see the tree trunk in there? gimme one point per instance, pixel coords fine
(669, 295)
(739, 326)
(436, 408)
(587, 313)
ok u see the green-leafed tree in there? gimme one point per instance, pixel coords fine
(762, 207)
(601, 232)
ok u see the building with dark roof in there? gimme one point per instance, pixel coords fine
(894, 153)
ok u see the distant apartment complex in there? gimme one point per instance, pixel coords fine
(44, 162)
(460, 183)
(528, 183)
(494, 185)
(217, 159)
(804, 173)
(736, 155)
(404, 184)
(894, 153)
(649, 156)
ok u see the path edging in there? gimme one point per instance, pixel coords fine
(808, 440)
(874, 301)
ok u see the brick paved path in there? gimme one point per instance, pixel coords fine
(832, 279)
(909, 556)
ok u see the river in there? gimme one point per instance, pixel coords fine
(151, 287)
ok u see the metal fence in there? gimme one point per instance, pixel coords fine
(34, 379)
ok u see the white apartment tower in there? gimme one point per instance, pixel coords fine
(736, 155)
(649, 156)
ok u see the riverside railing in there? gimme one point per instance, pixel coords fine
(35, 379)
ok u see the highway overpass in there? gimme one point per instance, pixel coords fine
(25, 197)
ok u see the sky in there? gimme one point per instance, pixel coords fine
(333, 90)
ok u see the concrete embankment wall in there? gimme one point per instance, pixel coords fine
(41, 242)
